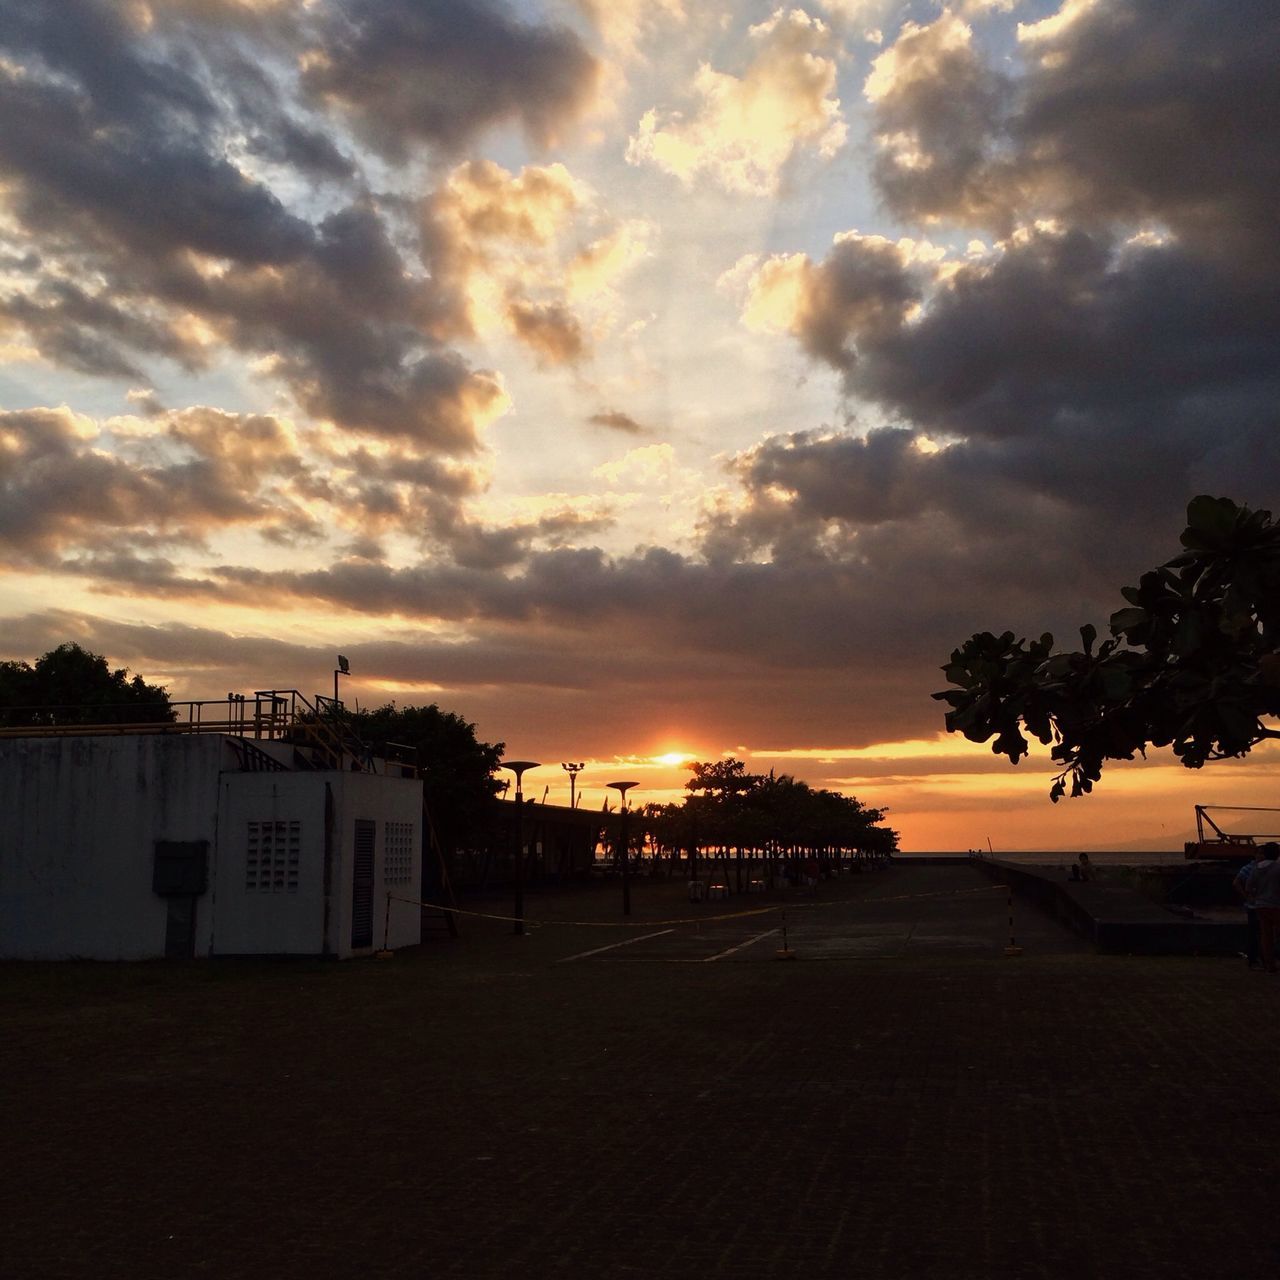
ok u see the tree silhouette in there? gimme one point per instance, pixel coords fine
(1192, 662)
(779, 815)
(457, 768)
(70, 685)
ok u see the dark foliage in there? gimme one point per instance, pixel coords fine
(728, 807)
(457, 768)
(70, 685)
(1192, 662)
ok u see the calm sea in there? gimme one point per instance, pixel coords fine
(1042, 858)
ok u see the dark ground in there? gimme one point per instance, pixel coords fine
(901, 1101)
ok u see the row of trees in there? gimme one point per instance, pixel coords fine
(751, 816)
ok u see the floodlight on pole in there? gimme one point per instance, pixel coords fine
(573, 770)
(519, 767)
(342, 669)
(622, 788)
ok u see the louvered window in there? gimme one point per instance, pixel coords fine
(362, 884)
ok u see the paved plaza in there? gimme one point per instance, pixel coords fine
(900, 1100)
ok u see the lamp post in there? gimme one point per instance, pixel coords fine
(573, 770)
(342, 669)
(518, 767)
(622, 788)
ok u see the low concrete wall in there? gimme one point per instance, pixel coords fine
(1117, 919)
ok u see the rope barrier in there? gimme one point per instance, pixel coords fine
(585, 924)
(729, 915)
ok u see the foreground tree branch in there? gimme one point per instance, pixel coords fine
(1193, 662)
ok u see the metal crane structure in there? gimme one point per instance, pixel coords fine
(1214, 841)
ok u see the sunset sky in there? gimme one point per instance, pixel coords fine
(640, 379)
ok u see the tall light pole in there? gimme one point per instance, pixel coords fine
(573, 770)
(342, 669)
(518, 767)
(622, 788)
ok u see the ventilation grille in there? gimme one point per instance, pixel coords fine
(397, 867)
(273, 856)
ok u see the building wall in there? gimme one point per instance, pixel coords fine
(79, 818)
(79, 822)
(383, 800)
(268, 883)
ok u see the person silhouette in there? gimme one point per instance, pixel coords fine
(1264, 886)
(1240, 883)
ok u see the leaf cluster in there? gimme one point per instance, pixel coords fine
(70, 685)
(1191, 664)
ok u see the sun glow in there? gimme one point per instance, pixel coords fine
(673, 758)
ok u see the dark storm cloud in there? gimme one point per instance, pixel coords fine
(862, 290)
(93, 333)
(61, 489)
(146, 184)
(1164, 110)
(1072, 326)
(118, 145)
(439, 71)
(1131, 110)
(1077, 385)
(936, 118)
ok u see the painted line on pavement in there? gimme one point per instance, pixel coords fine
(719, 955)
(626, 942)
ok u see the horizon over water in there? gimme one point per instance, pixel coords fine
(1063, 857)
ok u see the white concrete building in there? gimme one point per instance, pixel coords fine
(125, 846)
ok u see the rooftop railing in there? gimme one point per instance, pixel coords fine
(318, 725)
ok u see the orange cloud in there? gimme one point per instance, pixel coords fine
(745, 128)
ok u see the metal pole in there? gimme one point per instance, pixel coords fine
(622, 788)
(626, 862)
(519, 863)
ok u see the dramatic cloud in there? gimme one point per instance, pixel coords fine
(201, 471)
(124, 167)
(534, 254)
(745, 129)
(937, 106)
(439, 71)
(863, 290)
(624, 24)
(387, 322)
(1135, 110)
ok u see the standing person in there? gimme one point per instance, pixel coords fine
(1264, 884)
(1241, 884)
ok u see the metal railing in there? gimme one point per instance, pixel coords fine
(318, 725)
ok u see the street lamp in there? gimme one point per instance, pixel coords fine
(518, 767)
(573, 770)
(342, 669)
(622, 788)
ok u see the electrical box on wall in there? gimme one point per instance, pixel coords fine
(181, 867)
